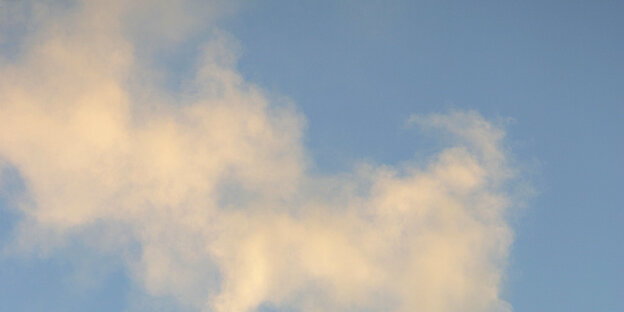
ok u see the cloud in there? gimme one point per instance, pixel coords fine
(210, 184)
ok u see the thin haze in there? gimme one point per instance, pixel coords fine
(205, 192)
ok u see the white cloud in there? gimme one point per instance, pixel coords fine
(211, 182)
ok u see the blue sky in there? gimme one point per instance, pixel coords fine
(554, 67)
(549, 73)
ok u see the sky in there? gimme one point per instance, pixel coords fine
(311, 156)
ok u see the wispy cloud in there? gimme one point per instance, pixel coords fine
(211, 182)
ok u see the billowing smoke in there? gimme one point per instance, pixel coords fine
(204, 191)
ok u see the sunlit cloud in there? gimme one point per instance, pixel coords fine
(212, 181)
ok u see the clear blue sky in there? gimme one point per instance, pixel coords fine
(358, 69)
(555, 67)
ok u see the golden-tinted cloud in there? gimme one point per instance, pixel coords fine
(212, 182)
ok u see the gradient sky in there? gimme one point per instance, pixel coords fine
(549, 73)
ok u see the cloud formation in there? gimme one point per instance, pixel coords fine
(212, 182)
